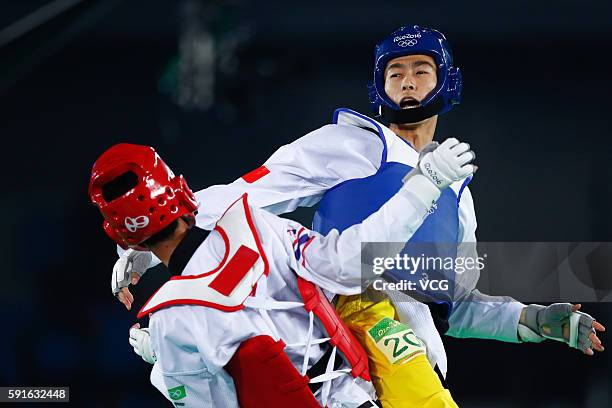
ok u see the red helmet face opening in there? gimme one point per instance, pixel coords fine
(137, 193)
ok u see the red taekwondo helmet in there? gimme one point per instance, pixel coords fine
(137, 194)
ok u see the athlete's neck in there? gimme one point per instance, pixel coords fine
(417, 134)
(165, 249)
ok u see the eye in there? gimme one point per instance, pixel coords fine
(395, 75)
(422, 72)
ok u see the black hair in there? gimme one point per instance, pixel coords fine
(162, 235)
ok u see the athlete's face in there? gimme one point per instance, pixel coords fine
(409, 79)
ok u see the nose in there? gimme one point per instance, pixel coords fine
(408, 83)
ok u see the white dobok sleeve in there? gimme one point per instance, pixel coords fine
(298, 174)
(190, 357)
(475, 314)
(333, 261)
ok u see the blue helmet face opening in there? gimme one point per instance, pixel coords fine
(414, 40)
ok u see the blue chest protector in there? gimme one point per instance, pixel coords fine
(352, 201)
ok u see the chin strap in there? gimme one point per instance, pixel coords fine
(412, 115)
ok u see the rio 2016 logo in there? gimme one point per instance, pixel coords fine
(132, 224)
(407, 40)
(432, 173)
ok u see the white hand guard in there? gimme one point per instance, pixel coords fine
(446, 163)
(548, 321)
(140, 339)
(130, 261)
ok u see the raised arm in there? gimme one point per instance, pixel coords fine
(333, 261)
(296, 175)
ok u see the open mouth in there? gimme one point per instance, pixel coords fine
(409, 103)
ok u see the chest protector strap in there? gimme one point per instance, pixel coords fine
(336, 329)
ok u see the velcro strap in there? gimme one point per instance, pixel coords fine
(574, 329)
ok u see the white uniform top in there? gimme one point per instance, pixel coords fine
(302, 171)
(193, 343)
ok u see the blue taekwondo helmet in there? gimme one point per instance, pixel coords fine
(412, 40)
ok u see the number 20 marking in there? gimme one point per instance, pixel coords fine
(396, 352)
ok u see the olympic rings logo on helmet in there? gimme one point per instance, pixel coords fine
(415, 40)
(407, 43)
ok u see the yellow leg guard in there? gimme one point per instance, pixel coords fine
(400, 371)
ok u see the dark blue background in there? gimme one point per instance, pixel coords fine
(536, 108)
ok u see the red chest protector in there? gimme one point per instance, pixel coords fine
(262, 372)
